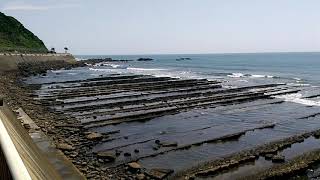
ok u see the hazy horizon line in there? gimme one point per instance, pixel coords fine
(152, 54)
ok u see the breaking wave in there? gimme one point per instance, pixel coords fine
(298, 98)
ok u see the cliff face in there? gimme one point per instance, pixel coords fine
(15, 37)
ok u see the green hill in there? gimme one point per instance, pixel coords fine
(15, 37)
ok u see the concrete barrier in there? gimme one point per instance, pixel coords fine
(21, 158)
(9, 62)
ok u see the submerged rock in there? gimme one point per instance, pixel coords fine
(169, 144)
(278, 159)
(107, 156)
(268, 156)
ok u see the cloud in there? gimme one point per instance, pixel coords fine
(35, 7)
(24, 8)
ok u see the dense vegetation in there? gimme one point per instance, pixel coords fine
(15, 37)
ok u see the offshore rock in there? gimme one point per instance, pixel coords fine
(144, 59)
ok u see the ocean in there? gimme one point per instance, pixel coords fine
(290, 67)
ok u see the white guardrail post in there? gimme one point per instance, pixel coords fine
(17, 168)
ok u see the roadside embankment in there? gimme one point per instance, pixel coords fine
(10, 62)
(24, 158)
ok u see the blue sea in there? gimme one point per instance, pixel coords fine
(235, 69)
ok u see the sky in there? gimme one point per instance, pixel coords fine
(110, 27)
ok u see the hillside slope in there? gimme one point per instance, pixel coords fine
(15, 37)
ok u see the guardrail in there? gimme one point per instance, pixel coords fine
(35, 54)
(20, 158)
(11, 162)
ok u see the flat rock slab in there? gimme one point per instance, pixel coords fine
(278, 159)
(159, 173)
(65, 147)
(134, 165)
(95, 136)
(107, 156)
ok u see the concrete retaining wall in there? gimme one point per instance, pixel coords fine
(9, 62)
(36, 164)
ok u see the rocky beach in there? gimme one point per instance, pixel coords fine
(118, 126)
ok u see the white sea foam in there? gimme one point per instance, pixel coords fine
(261, 76)
(243, 80)
(113, 65)
(80, 59)
(100, 70)
(298, 84)
(240, 75)
(298, 98)
(236, 75)
(144, 69)
(57, 71)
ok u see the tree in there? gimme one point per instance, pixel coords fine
(53, 50)
(66, 50)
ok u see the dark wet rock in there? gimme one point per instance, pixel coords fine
(65, 147)
(268, 156)
(145, 59)
(118, 153)
(95, 136)
(155, 148)
(169, 144)
(27, 126)
(182, 59)
(159, 173)
(300, 139)
(278, 159)
(317, 134)
(71, 129)
(109, 156)
(315, 174)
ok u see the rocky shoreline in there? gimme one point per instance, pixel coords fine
(268, 151)
(159, 97)
(69, 136)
